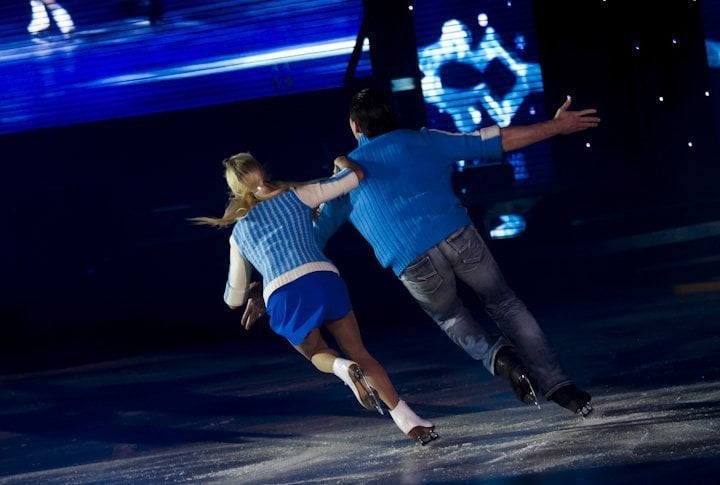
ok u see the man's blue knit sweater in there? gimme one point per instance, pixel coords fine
(406, 203)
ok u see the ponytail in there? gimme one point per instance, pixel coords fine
(244, 176)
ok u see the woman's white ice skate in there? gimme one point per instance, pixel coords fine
(411, 424)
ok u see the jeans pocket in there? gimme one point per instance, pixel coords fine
(468, 244)
(421, 278)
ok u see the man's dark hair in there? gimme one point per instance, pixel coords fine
(372, 112)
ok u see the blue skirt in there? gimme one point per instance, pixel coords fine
(306, 303)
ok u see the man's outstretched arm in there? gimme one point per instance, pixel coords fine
(565, 122)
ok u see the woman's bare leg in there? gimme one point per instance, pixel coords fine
(347, 335)
(326, 360)
(316, 350)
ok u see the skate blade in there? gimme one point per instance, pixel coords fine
(371, 399)
(423, 435)
(531, 394)
(585, 411)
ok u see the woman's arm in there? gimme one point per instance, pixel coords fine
(236, 288)
(343, 181)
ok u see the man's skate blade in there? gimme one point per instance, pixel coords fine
(423, 435)
(533, 394)
(530, 396)
(585, 411)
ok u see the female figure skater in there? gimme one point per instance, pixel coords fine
(41, 21)
(273, 232)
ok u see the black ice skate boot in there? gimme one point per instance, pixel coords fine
(508, 366)
(574, 399)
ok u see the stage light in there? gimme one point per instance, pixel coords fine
(511, 225)
(403, 84)
(661, 99)
(707, 93)
(588, 145)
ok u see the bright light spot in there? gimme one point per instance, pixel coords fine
(661, 98)
(690, 144)
(707, 93)
(475, 114)
(483, 20)
(403, 84)
(587, 144)
(674, 41)
(511, 225)
(410, 7)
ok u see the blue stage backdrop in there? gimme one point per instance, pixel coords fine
(711, 21)
(119, 58)
(479, 66)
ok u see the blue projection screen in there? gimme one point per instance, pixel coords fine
(479, 67)
(91, 61)
(711, 22)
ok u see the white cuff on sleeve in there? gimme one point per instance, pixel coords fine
(489, 132)
(234, 297)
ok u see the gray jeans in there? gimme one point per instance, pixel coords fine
(431, 280)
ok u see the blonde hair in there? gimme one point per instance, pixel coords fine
(245, 177)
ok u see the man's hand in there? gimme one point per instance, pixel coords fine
(344, 162)
(339, 163)
(255, 306)
(564, 123)
(573, 121)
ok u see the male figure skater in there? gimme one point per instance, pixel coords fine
(408, 212)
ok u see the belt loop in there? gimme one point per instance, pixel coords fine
(456, 233)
